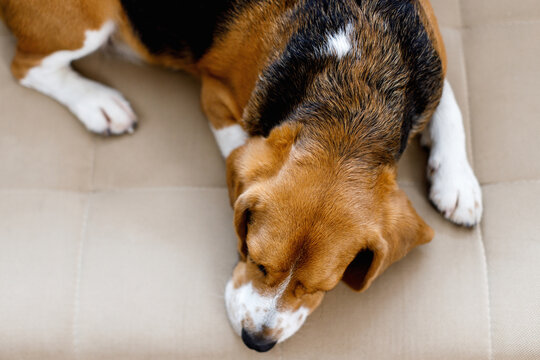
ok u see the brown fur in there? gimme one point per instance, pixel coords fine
(432, 25)
(33, 22)
(234, 63)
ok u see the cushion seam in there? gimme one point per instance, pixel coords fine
(78, 277)
(478, 229)
(502, 23)
(488, 293)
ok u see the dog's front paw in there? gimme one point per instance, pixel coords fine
(455, 191)
(104, 111)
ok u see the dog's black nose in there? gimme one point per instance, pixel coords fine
(257, 343)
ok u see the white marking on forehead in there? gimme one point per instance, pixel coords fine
(339, 44)
(229, 138)
(283, 286)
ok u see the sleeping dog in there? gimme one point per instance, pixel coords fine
(312, 103)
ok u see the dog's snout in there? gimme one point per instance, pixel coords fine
(257, 343)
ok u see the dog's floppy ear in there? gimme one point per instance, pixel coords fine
(259, 158)
(242, 218)
(401, 230)
(367, 265)
(235, 181)
(256, 161)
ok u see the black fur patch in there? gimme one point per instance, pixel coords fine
(418, 55)
(286, 81)
(179, 27)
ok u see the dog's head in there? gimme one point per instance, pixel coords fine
(305, 220)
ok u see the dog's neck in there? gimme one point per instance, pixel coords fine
(326, 77)
(328, 65)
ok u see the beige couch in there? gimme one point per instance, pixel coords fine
(120, 248)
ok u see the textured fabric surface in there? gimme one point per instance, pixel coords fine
(120, 248)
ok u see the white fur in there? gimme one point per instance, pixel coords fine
(339, 44)
(249, 309)
(290, 322)
(100, 108)
(229, 138)
(454, 188)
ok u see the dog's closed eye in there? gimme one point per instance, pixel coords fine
(262, 269)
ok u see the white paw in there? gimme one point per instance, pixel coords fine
(455, 191)
(104, 110)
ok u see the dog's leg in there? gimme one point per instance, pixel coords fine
(223, 115)
(100, 108)
(454, 188)
(229, 138)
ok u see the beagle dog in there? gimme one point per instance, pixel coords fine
(312, 103)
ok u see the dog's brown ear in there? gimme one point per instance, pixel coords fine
(366, 266)
(242, 219)
(235, 182)
(258, 159)
(401, 229)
